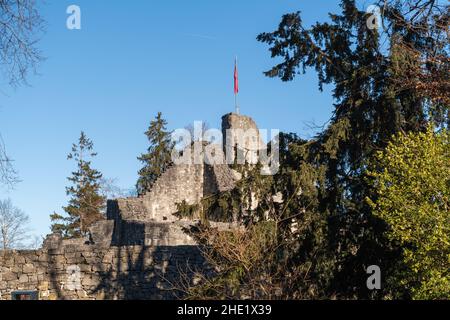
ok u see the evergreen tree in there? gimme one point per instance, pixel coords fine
(326, 233)
(158, 156)
(282, 253)
(86, 203)
(370, 107)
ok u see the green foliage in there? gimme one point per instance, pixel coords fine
(369, 108)
(236, 204)
(185, 210)
(158, 156)
(283, 251)
(86, 203)
(413, 197)
(327, 234)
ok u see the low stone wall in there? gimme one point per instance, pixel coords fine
(152, 233)
(80, 271)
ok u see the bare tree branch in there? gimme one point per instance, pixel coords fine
(13, 226)
(20, 27)
(110, 190)
(8, 176)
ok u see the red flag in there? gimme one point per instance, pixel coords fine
(236, 80)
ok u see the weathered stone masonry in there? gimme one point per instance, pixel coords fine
(89, 272)
(140, 251)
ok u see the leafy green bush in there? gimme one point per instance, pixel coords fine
(413, 197)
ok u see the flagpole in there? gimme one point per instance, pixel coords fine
(236, 92)
(235, 103)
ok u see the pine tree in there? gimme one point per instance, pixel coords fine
(158, 156)
(86, 203)
(370, 107)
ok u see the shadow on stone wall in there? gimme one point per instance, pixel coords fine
(148, 273)
(128, 233)
(54, 274)
(124, 272)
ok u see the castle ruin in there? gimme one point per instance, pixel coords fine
(141, 250)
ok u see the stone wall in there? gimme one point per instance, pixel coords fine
(241, 135)
(182, 182)
(120, 259)
(191, 182)
(152, 233)
(179, 183)
(141, 251)
(126, 209)
(80, 271)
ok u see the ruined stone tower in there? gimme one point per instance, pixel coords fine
(191, 182)
(138, 250)
(242, 139)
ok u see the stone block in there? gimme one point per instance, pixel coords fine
(107, 258)
(28, 268)
(23, 279)
(43, 257)
(19, 260)
(58, 259)
(85, 267)
(33, 279)
(9, 276)
(75, 259)
(88, 254)
(89, 281)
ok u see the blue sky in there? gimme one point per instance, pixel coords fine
(130, 61)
